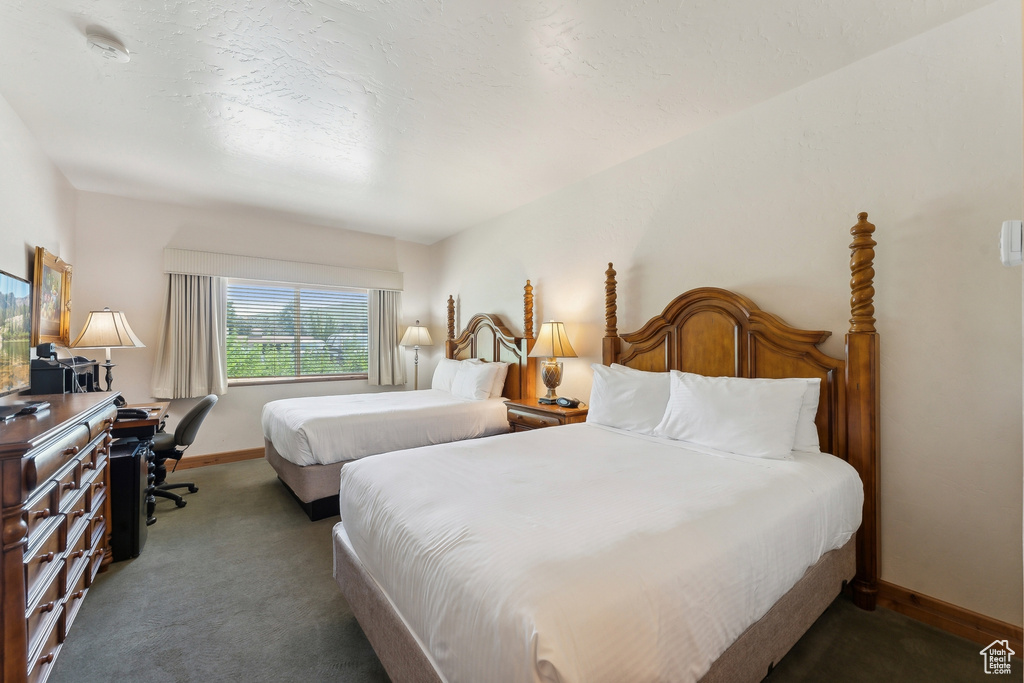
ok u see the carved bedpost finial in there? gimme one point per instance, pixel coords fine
(528, 310)
(862, 290)
(451, 317)
(610, 320)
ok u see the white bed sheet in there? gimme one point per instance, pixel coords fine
(583, 553)
(320, 430)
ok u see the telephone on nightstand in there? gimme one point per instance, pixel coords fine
(567, 402)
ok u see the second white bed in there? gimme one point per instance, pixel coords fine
(587, 553)
(322, 430)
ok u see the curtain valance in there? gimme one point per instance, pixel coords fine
(190, 262)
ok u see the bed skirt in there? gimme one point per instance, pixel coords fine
(749, 659)
(315, 487)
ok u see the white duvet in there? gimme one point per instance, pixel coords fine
(320, 430)
(582, 553)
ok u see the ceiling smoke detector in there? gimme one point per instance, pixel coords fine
(108, 46)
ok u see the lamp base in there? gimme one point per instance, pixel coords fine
(551, 374)
(109, 377)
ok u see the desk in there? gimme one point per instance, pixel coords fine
(143, 430)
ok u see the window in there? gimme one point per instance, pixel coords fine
(292, 331)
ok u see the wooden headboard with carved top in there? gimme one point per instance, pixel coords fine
(486, 337)
(720, 333)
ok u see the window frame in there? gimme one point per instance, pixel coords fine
(296, 287)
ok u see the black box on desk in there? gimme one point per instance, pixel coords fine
(51, 377)
(128, 472)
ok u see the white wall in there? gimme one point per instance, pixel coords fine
(38, 202)
(926, 136)
(119, 264)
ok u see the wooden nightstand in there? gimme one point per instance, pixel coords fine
(527, 413)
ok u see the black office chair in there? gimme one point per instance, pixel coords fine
(172, 446)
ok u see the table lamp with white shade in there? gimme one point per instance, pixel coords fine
(107, 329)
(552, 343)
(416, 336)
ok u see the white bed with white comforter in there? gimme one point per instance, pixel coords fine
(586, 553)
(322, 430)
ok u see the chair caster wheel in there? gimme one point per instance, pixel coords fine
(193, 489)
(181, 503)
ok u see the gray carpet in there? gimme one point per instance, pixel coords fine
(237, 586)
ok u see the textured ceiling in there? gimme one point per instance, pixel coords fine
(412, 118)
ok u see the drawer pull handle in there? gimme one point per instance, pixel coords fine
(48, 557)
(98, 519)
(71, 451)
(69, 486)
(48, 607)
(77, 513)
(45, 659)
(99, 486)
(41, 514)
(77, 554)
(76, 596)
(89, 466)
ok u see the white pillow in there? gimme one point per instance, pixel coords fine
(474, 380)
(806, 430)
(628, 399)
(753, 417)
(499, 378)
(444, 374)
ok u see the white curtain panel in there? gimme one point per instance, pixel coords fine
(386, 364)
(192, 357)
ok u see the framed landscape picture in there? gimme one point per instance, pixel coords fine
(51, 300)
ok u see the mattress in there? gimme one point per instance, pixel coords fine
(321, 430)
(585, 553)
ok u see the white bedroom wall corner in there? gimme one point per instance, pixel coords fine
(767, 215)
(38, 201)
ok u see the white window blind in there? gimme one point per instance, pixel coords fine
(294, 331)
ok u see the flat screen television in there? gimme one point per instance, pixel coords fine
(15, 333)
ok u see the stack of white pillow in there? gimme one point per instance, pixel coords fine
(471, 379)
(762, 418)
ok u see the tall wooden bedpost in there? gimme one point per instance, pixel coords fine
(862, 400)
(449, 343)
(528, 313)
(529, 382)
(610, 347)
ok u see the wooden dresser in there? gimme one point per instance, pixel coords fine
(54, 480)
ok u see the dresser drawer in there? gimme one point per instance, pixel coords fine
(95, 563)
(531, 420)
(44, 559)
(79, 553)
(77, 588)
(77, 514)
(41, 660)
(98, 424)
(97, 493)
(94, 458)
(40, 511)
(43, 611)
(44, 463)
(68, 485)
